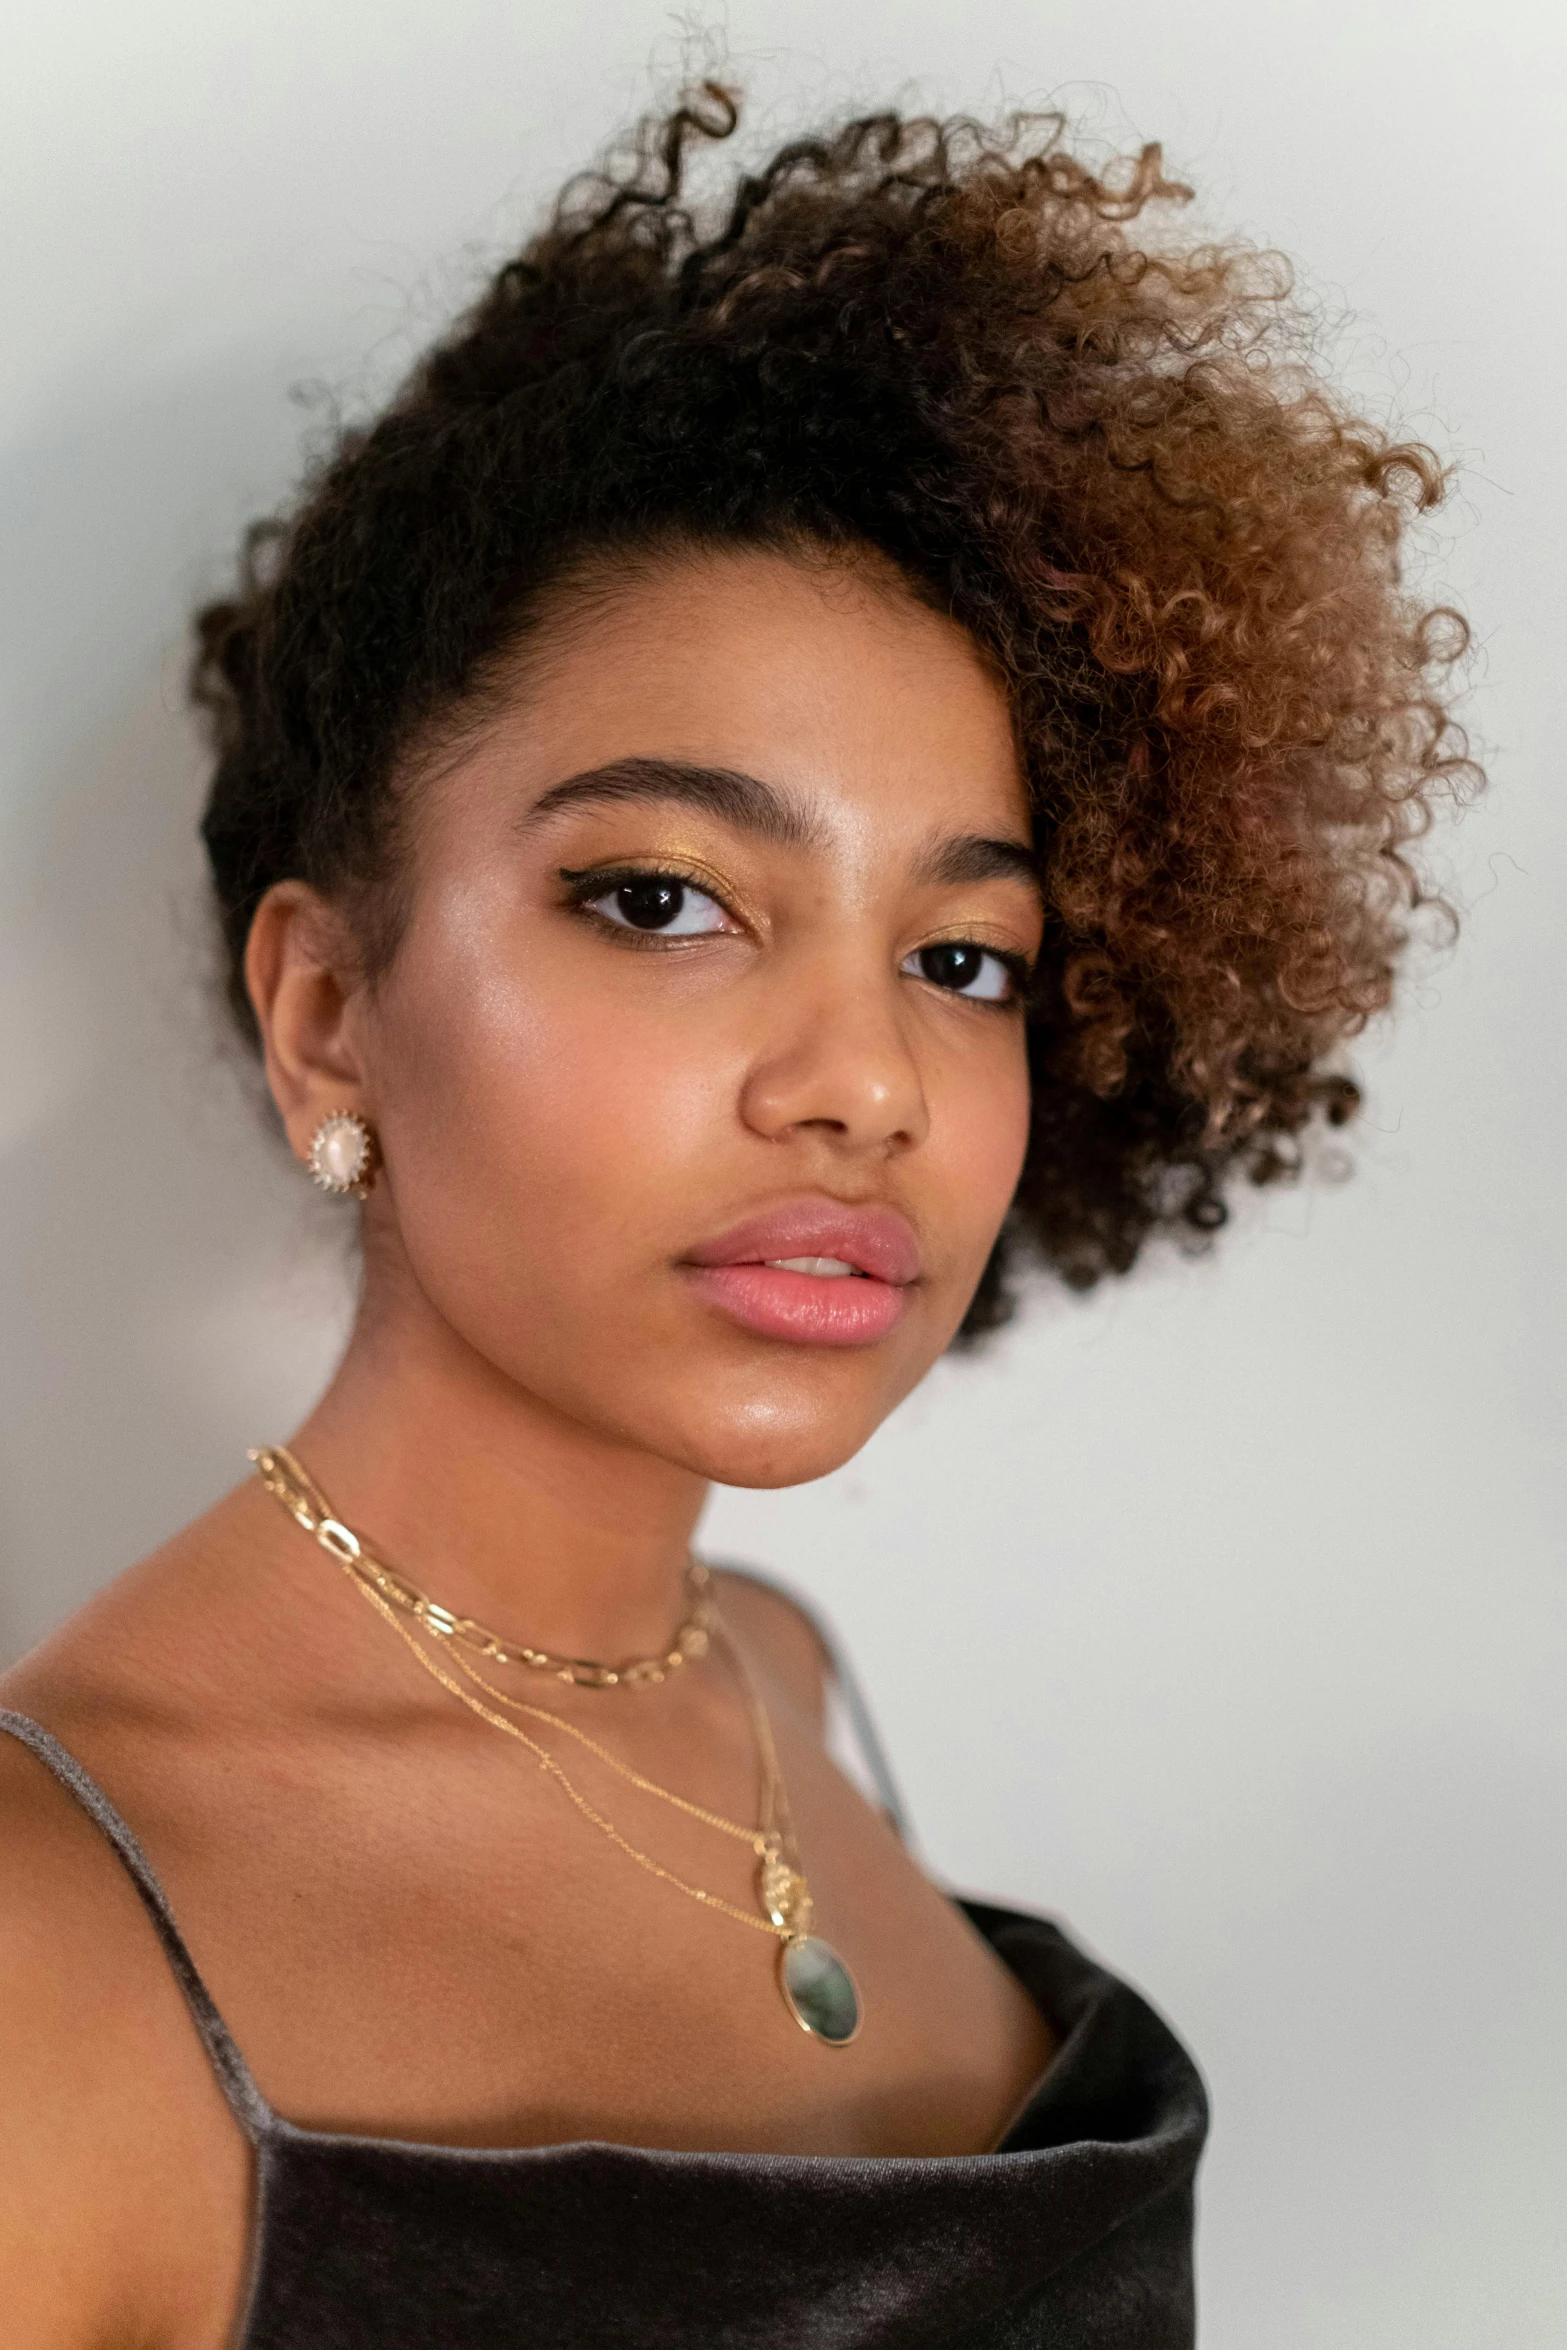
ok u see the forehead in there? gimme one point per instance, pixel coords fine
(825, 676)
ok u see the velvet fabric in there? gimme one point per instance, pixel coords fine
(1076, 2233)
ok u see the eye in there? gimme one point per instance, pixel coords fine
(661, 902)
(964, 969)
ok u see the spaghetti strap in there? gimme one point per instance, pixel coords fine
(861, 1721)
(868, 1738)
(251, 2109)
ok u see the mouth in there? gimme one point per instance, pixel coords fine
(813, 1273)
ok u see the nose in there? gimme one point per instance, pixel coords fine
(839, 1064)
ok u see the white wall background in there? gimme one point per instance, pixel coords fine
(1225, 1613)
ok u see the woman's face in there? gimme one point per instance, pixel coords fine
(699, 1069)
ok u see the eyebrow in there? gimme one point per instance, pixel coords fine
(767, 813)
(973, 856)
(741, 800)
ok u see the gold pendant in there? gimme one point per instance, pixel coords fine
(785, 1896)
(818, 1989)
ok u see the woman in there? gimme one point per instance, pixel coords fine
(806, 756)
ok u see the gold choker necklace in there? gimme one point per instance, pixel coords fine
(290, 1484)
(817, 1987)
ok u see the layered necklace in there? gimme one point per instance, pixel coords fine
(817, 1987)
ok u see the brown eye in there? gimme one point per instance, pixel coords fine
(660, 902)
(651, 904)
(963, 969)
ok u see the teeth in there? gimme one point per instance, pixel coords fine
(825, 1268)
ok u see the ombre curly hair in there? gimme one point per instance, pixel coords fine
(1100, 448)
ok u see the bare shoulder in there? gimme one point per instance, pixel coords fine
(148, 1611)
(110, 2122)
(781, 1633)
(121, 2168)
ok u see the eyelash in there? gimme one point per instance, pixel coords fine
(586, 884)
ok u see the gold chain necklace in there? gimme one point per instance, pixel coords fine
(817, 1987)
(292, 1485)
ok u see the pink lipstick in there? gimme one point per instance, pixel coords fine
(814, 1272)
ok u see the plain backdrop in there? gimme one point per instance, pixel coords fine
(1223, 1613)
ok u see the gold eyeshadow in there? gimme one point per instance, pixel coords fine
(677, 864)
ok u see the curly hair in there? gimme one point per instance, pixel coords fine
(1101, 453)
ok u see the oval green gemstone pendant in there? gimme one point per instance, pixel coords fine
(819, 1990)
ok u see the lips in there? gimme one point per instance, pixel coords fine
(863, 1263)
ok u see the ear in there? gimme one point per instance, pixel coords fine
(304, 982)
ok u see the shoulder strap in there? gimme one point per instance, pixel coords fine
(250, 2107)
(861, 1721)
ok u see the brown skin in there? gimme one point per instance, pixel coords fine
(407, 1927)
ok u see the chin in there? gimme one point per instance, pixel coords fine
(771, 1440)
(767, 1467)
(770, 1472)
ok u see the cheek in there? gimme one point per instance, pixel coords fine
(543, 1131)
(979, 1135)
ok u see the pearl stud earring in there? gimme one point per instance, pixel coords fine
(343, 1157)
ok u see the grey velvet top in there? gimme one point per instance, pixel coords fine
(1076, 2233)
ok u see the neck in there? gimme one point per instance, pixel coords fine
(487, 1497)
